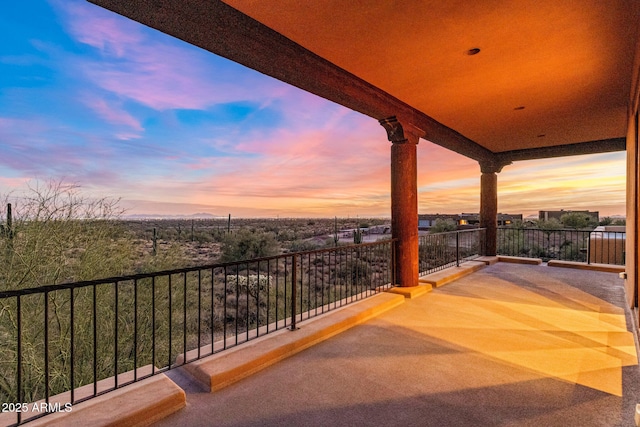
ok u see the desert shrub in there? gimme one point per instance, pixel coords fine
(356, 270)
(443, 225)
(60, 236)
(57, 235)
(309, 245)
(578, 220)
(244, 245)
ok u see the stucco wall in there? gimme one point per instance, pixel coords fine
(633, 178)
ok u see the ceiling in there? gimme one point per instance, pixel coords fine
(548, 73)
(568, 63)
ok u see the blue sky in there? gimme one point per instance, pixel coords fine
(124, 111)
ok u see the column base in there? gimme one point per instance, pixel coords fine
(411, 291)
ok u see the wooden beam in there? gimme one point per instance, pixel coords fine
(225, 31)
(591, 147)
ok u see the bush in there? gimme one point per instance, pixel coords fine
(578, 220)
(245, 245)
(307, 245)
(443, 225)
(59, 235)
(354, 271)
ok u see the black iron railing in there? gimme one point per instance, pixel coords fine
(438, 251)
(604, 247)
(64, 344)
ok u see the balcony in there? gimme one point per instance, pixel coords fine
(510, 343)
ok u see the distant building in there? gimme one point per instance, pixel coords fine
(426, 221)
(547, 215)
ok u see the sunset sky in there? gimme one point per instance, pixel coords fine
(94, 99)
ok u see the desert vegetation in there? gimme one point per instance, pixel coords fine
(183, 285)
(569, 239)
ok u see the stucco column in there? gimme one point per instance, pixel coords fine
(489, 204)
(404, 200)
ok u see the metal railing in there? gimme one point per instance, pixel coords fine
(64, 344)
(598, 246)
(442, 250)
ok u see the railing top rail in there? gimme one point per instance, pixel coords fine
(469, 230)
(584, 230)
(139, 276)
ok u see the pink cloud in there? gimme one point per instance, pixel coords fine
(99, 28)
(159, 72)
(330, 159)
(112, 113)
(127, 136)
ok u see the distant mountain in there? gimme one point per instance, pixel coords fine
(200, 215)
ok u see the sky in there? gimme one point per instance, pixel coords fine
(90, 98)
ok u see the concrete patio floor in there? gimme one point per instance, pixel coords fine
(510, 345)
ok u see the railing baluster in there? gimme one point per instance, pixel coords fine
(286, 299)
(184, 317)
(46, 348)
(199, 309)
(115, 346)
(277, 291)
(237, 299)
(224, 322)
(19, 352)
(135, 330)
(170, 322)
(258, 301)
(293, 292)
(95, 342)
(153, 325)
(247, 315)
(72, 344)
(212, 310)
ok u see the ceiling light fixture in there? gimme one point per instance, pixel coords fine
(473, 51)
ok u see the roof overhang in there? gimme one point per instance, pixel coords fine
(569, 64)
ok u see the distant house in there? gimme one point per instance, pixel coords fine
(426, 221)
(547, 215)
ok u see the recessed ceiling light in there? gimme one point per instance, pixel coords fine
(519, 108)
(473, 51)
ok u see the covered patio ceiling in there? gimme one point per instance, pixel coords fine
(550, 78)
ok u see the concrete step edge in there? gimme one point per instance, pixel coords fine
(225, 368)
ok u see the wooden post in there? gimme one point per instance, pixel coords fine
(489, 204)
(404, 200)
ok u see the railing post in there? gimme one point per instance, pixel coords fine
(457, 249)
(393, 262)
(294, 279)
(589, 248)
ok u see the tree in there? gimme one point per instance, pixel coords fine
(443, 225)
(549, 225)
(606, 221)
(578, 220)
(59, 235)
(244, 245)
